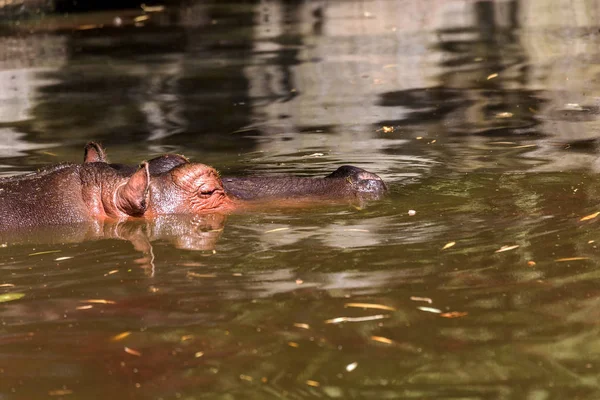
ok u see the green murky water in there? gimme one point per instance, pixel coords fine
(481, 117)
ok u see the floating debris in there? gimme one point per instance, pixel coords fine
(430, 309)
(505, 114)
(98, 301)
(382, 339)
(591, 216)
(412, 212)
(150, 9)
(246, 378)
(197, 275)
(531, 263)
(293, 344)
(60, 392)
(198, 354)
(84, 307)
(454, 314)
(574, 107)
(425, 299)
(39, 253)
(356, 319)
(62, 258)
(120, 336)
(133, 352)
(351, 367)
(7, 285)
(370, 305)
(571, 259)
(313, 383)
(507, 248)
(301, 325)
(492, 76)
(448, 245)
(4, 298)
(277, 230)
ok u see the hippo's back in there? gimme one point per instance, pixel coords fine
(48, 197)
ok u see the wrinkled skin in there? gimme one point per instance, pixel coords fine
(167, 185)
(345, 183)
(73, 193)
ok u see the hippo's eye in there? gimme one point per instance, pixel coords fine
(206, 192)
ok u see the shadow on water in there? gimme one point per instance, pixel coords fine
(475, 278)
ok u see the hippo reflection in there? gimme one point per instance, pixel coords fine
(167, 185)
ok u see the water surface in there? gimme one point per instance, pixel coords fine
(482, 117)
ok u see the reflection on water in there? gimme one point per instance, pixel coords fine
(482, 118)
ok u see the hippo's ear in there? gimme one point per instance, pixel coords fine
(132, 198)
(94, 153)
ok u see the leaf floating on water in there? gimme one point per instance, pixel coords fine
(448, 245)
(382, 339)
(315, 155)
(39, 253)
(507, 248)
(60, 392)
(454, 314)
(531, 263)
(99, 301)
(591, 216)
(351, 367)
(197, 275)
(120, 336)
(504, 114)
(11, 297)
(293, 344)
(313, 383)
(7, 285)
(133, 352)
(198, 354)
(277, 230)
(370, 305)
(301, 326)
(425, 299)
(356, 319)
(430, 309)
(492, 76)
(571, 259)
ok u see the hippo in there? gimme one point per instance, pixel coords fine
(169, 184)
(347, 182)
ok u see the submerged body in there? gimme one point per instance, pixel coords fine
(166, 185)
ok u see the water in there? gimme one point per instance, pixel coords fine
(482, 117)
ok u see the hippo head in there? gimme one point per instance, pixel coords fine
(168, 184)
(189, 188)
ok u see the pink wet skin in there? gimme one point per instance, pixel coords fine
(188, 189)
(74, 193)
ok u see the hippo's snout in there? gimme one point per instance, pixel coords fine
(365, 183)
